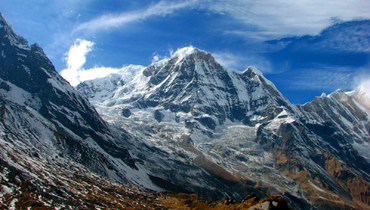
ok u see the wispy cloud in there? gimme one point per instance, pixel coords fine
(156, 57)
(263, 19)
(228, 59)
(324, 79)
(365, 84)
(289, 17)
(231, 60)
(362, 79)
(110, 21)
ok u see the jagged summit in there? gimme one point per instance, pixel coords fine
(7, 32)
(185, 51)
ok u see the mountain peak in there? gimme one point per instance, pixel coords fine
(254, 70)
(7, 32)
(187, 51)
(188, 55)
(3, 20)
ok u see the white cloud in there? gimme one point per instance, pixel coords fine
(279, 18)
(366, 86)
(267, 18)
(170, 50)
(227, 59)
(156, 57)
(362, 80)
(110, 21)
(76, 58)
(96, 72)
(362, 89)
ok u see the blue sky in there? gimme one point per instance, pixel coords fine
(305, 47)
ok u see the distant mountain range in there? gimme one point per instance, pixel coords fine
(184, 124)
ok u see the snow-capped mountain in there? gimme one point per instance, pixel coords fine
(57, 152)
(238, 126)
(183, 124)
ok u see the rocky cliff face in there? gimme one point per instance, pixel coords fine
(44, 119)
(238, 127)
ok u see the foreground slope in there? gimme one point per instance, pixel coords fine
(238, 127)
(44, 118)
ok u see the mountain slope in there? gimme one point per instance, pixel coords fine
(38, 105)
(238, 127)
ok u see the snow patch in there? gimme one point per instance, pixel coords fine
(183, 52)
(363, 149)
(24, 47)
(259, 73)
(159, 63)
(26, 69)
(20, 96)
(12, 205)
(5, 190)
(283, 117)
(316, 187)
(56, 85)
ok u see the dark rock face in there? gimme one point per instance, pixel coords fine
(158, 115)
(207, 121)
(126, 112)
(27, 67)
(74, 120)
